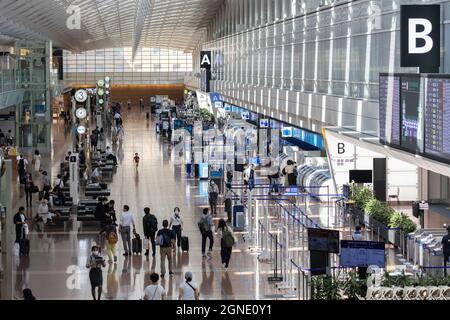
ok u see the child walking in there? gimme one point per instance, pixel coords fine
(136, 160)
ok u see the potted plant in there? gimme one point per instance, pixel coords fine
(353, 287)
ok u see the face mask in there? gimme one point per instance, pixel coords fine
(95, 253)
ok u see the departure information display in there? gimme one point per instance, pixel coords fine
(389, 109)
(437, 118)
(411, 108)
(414, 114)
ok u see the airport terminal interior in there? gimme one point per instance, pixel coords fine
(224, 150)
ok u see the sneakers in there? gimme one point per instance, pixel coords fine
(115, 258)
(204, 255)
(170, 273)
(162, 275)
(146, 252)
(126, 254)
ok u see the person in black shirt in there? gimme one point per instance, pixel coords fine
(19, 220)
(166, 241)
(150, 224)
(446, 249)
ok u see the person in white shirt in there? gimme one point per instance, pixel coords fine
(189, 289)
(59, 182)
(126, 220)
(95, 176)
(357, 235)
(154, 291)
(43, 211)
(176, 223)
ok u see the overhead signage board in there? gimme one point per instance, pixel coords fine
(420, 37)
(205, 60)
(263, 123)
(286, 132)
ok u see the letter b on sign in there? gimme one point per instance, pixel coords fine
(420, 37)
(341, 148)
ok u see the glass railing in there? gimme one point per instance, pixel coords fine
(7, 80)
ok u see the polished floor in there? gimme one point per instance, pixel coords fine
(56, 268)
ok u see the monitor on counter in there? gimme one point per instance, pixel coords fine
(360, 176)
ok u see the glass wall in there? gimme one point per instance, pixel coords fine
(326, 47)
(151, 65)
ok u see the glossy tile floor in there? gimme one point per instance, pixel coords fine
(56, 268)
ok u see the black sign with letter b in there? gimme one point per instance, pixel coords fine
(420, 37)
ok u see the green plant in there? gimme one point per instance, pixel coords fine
(378, 210)
(325, 288)
(353, 287)
(396, 281)
(402, 221)
(360, 195)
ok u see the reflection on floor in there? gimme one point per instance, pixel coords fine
(56, 268)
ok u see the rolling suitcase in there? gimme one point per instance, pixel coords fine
(184, 243)
(136, 245)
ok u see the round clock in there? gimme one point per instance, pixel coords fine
(81, 129)
(81, 113)
(100, 101)
(100, 92)
(81, 95)
(101, 83)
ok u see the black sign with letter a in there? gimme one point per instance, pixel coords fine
(205, 60)
(420, 37)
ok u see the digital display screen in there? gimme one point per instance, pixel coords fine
(410, 112)
(323, 240)
(389, 109)
(362, 254)
(437, 118)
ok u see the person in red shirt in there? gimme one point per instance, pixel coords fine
(136, 160)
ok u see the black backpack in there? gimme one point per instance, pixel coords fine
(152, 223)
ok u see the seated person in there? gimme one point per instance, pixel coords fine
(110, 155)
(45, 214)
(95, 175)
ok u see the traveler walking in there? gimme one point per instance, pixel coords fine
(129, 104)
(150, 224)
(165, 238)
(289, 172)
(228, 202)
(29, 189)
(206, 226)
(20, 220)
(9, 138)
(21, 169)
(95, 262)
(249, 177)
(109, 232)
(229, 173)
(126, 220)
(446, 249)
(189, 290)
(36, 161)
(154, 291)
(213, 192)
(136, 160)
(227, 241)
(176, 223)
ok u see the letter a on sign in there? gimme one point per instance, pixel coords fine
(205, 59)
(420, 37)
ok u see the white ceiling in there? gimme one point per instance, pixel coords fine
(178, 24)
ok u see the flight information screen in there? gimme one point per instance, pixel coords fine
(437, 118)
(410, 113)
(389, 109)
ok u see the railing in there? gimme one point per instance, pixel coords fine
(7, 80)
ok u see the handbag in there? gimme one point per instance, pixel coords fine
(34, 189)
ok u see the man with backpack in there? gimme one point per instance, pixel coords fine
(21, 168)
(206, 226)
(110, 233)
(165, 239)
(150, 224)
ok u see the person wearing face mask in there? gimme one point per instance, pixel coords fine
(176, 223)
(95, 262)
